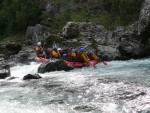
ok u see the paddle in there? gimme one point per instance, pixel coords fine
(105, 63)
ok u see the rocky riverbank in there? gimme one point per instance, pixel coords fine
(120, 44)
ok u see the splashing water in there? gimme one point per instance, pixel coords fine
(119, 87)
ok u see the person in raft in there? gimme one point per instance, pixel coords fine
(72, 56)
(82, 55)
(91, 55)
(39, 50)
(54, 52)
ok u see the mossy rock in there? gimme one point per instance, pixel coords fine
(72, 31)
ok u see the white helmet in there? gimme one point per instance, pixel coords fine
(39, 43)
(59, 49)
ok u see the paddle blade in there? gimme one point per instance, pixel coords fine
(105, 63)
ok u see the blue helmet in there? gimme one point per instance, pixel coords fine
(91, 52)
(74, 50)
(64, 55)
(82, 49)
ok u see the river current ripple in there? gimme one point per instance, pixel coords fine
(120, 87)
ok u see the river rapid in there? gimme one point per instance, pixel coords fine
(119, 87)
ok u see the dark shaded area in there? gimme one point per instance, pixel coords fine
(146, 40)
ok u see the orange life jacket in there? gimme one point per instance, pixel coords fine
(39, 48)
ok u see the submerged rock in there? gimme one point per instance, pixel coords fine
(11, 78)
(84, 108)
(54, 66)
(30, 76)
(131, 96)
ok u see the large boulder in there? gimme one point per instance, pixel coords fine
(9, 49)
(30, 76)
(4, 69)
(70, 30)
(36, 33)
(54, 66)
(128, 42)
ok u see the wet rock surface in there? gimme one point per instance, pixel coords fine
(54, 66)
(30, 76)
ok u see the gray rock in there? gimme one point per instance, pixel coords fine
(70, 30)
(25, 56)
(122, 43)
(54, 66)
(30, 76)
(35, 34)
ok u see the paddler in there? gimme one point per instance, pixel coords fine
(39, 50)
(91, 55)
(54, 52)
(82, 55)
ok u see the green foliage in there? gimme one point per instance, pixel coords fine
(16, 15)
(110, 13)
(61, 19)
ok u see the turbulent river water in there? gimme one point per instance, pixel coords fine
(119, 87)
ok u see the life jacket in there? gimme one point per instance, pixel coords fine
(95, 57)
(92, 56)
(72, 54)
(69, 55)
(54, 54)
(83, 56)
(38, 48)
(39, 51)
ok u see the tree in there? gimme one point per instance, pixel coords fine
(16, 15)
